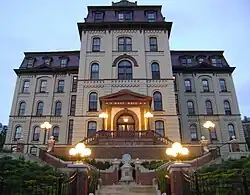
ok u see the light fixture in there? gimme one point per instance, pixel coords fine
(46, 126)
(209, 124)
(80, 151)
(176, 150)
(125, 120)
(148, 115)
(103, 115)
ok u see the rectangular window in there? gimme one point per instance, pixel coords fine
(70, 131)
(30, 63)
(98, 16)
(188, 87)
(186, 61)
(64, 62)
(124, 44)
(60, 87)
(153, 44)
(96, 44)
(74, 84)
(205, 85)
(216, 62)
(73, 105)
(43, 86)
(151, 16)
(26, 86)
(223, 86)
(125, 16)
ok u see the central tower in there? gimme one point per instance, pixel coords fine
(125, 71)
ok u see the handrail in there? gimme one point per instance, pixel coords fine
(117, 134)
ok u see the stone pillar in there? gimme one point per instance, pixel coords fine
(235, 147)
(82, 178)
(51, 144)
(137, 170)
(116, 164)
(20, 145)
(176, 177)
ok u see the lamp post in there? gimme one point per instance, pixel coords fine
(80, 151)
(210, 126)
(148, 115)
(103, 115)
(46, 126)
(176, 151)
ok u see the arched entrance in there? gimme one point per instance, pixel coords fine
(125, 122)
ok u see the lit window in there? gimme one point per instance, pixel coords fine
(159, 128)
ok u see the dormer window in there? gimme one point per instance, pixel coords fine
(98, 16)
(125, 16)
(200, 59)
(216, 61)
(47, 61)
(30, 62)
(64, 62)
(186, 61)
(151, 15)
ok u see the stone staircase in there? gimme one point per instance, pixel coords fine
(127, 190)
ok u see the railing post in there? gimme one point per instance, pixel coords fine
(60, 182)
(245, 184)
(197, 189)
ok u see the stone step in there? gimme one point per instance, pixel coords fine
(127, 190)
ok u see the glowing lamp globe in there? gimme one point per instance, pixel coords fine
(80, 146)
(184, 151)
(72, 152)
(176, 147)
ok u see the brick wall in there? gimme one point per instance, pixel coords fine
(110, 178)
(144, 178)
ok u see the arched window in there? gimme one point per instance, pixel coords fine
(21, 111)
(96, 44)
(94, 71)
(124, 44)
(191, 110)
(36, 133)
(159, 128)
(93, 101)
(39, 109)
(209, 107)
(193, 132)
(125, 70)
(58, 108)
(205, 85)
(155, 71)
(227, 108)
(18, 133)
(55, 133)
(157, 101)
(92, 126)
(231, 131)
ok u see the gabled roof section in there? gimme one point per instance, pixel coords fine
(125, 95)
(124, 3)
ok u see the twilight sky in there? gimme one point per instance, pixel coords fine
(51, 25)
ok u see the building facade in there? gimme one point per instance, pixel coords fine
(124, 71)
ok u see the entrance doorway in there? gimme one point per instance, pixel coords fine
(125, 122)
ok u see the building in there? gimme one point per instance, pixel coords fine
(124, 70)
(3, 128)
(246, 126)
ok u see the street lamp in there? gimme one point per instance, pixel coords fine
(46, 126)
(176, 150)
(103, 115)
(148, 115)
(210, 126)
(80, 151)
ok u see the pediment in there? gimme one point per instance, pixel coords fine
(124, 95)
